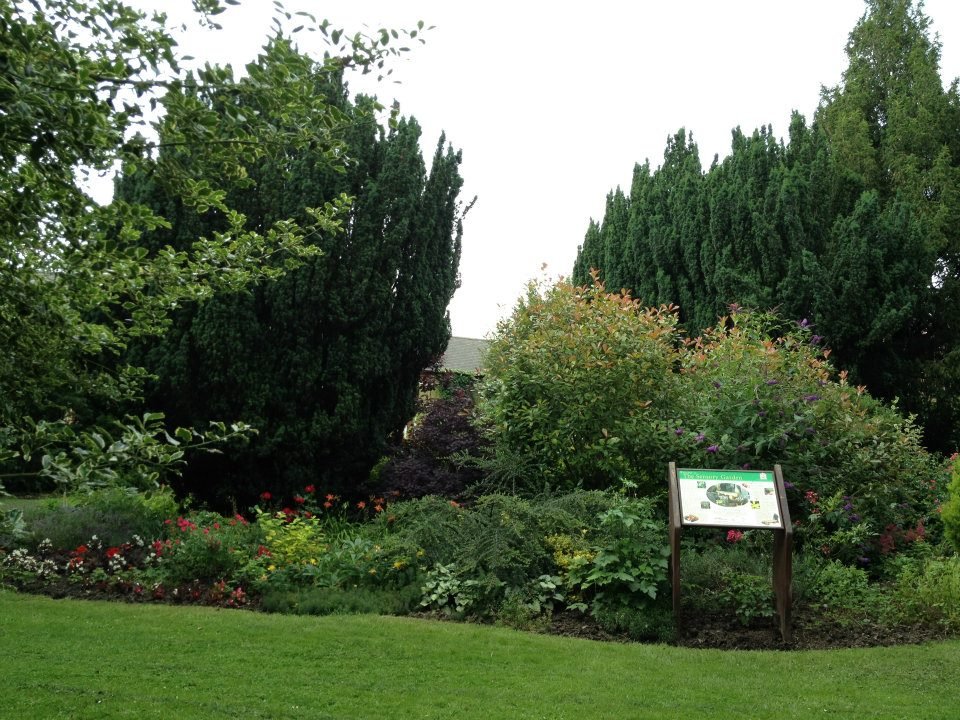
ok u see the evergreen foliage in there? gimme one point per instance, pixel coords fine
(324, 361)
(79, 81)
(852, 223)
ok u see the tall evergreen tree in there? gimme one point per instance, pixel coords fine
(324, 361)
(894, 129)
(853, 224)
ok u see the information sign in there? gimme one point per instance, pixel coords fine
(734, 499)
(729, 498)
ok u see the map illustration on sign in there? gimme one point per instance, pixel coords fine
(725, 498)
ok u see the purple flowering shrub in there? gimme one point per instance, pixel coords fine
(427, 463)
(759, 391)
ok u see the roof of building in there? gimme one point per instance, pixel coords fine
(464, 355)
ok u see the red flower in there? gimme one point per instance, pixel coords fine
(265, 495)
(262, 550)
(310, 489)
(331, 497)
(299, 500)
(328, 504)
(81, 550)
(361, 505)
(112, 552)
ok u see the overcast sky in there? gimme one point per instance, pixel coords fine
(552, 103)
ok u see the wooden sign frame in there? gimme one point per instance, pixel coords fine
(778, 522)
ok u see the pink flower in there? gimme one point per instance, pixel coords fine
(734, 536)
(310, 489)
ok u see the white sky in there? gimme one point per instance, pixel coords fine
(552, 103)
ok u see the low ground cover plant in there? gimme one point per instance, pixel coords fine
(527, 563)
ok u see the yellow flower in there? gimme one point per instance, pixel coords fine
(271, 568)
(313, 561)
(400, 564)
(421, 552)
(373, 571)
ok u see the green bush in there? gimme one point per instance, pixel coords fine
(531, 607)
(291, 540)
(930, 591)
(628, 567)
(839, 588)
(950, 511)
(588, 388)
(478, 556)
(114, 515)
(757, 391)
(576, 381)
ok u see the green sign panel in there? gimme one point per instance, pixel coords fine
(729, 498)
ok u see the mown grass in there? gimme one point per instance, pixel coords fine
(75, 659)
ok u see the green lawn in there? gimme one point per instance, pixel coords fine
(73, 659)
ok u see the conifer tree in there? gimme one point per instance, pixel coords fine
(853, 224)
(324, 361)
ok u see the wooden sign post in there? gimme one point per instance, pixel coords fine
(734, 499)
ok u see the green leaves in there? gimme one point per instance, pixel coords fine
(81, 81)
(574, 382)
(846, 224)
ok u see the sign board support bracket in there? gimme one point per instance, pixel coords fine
(782, 552)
